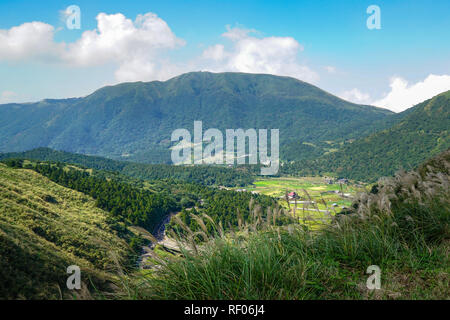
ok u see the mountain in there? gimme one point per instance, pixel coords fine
(134, 121)
(422, 132)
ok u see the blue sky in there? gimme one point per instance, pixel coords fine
(326, 43)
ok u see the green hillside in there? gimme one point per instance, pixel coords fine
(44, 228)
(401, 225)
(143, 203)
(45, 225)
(422, 133)
(134, 121)
(206, 175)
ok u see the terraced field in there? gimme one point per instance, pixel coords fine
(317, 199)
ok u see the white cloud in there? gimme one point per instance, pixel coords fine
(273, 55)
(29, 40)
(403, 96)
(136, 47)
(216, 53)
(237, 33)
(355, 96)
(7, 96)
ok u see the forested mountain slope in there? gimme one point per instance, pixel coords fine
(205, 175)
(422, 133)
(135, 120)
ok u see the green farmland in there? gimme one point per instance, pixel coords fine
(316, 196)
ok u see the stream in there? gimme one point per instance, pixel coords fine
(160, 235)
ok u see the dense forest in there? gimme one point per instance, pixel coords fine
(224, 207)
(206, 175)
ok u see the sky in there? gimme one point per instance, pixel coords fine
(392, 54)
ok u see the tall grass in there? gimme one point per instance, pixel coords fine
(401, 226)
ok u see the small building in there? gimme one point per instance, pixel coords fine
(329, 181)
(343, 181)
(293, 195)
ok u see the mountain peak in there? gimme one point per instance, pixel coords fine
(137, 118)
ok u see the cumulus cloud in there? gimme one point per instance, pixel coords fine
(248, 53)
(355, 96)
(136, 47)
(118, 38)
(403, 96)
(29, 40)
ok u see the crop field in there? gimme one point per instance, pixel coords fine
(317, 200)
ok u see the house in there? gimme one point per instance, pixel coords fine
(293, 195)
(343, 181)
(329, 181)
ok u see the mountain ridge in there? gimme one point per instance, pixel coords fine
(136, 119)
(421, 133)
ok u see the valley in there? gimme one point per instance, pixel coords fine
(207, 215)
(357, 186)
(311, 199)
(391, 232)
